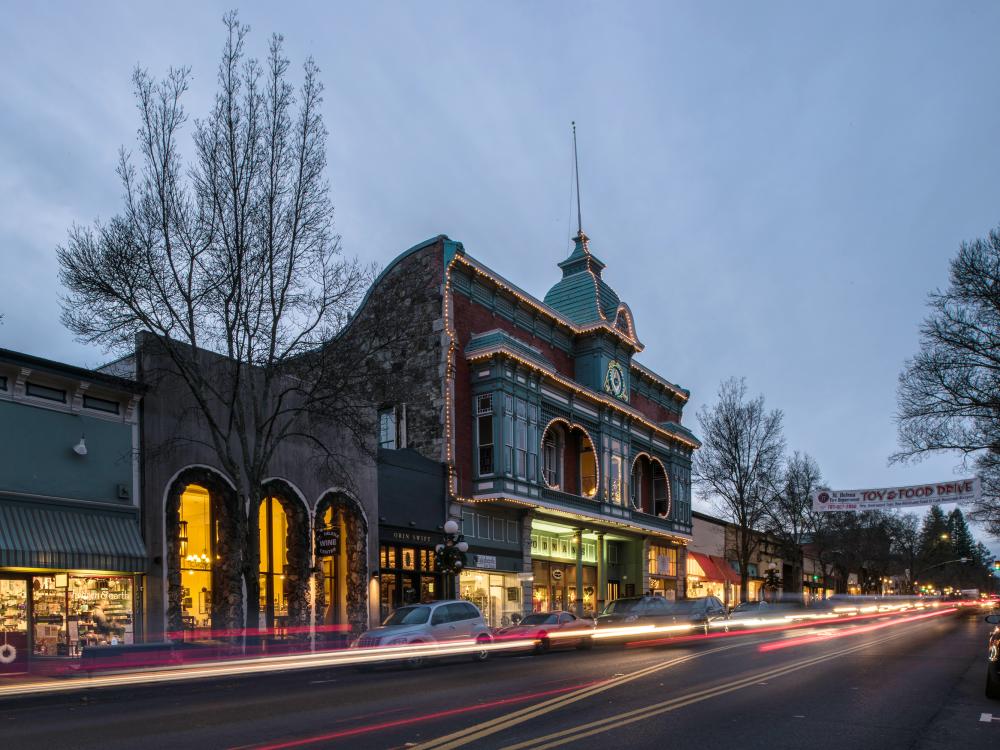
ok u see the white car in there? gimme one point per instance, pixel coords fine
(435, 622)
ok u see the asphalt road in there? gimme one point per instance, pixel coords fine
(916, 684)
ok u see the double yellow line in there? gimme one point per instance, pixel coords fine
(486, 728)
(494, 726)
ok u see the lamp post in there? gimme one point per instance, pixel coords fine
(449, 555)
(772, 581)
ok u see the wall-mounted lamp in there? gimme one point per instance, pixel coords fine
(80, 448)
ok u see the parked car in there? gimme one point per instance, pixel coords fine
(443, 622)
(993, 659)
(659, 611)
(540, 626)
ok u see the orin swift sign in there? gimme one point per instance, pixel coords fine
(956, 491)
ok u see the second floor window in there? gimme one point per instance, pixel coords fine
(524, 424)
(484, 432)
(387, 437)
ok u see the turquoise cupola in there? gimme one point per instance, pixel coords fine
(584, 297)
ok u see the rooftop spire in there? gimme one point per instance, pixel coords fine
(581, 238)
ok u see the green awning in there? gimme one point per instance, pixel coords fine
(60, 538)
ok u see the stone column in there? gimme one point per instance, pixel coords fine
(578, 537)
(527, 584)
(602, 573)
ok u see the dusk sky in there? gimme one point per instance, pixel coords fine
(774, 187)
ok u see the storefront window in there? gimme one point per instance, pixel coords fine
(273, 536)
(100, 611)
(498, 595)
(662, 560)
(197, 543)
(71, 612)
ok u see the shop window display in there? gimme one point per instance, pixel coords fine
(273, 560)
(498, 595)
(71, 612)
(197, 544)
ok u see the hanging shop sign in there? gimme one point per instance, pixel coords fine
(956, 491)
(327, 541)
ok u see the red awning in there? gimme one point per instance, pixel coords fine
(712, 572)
(730, 575)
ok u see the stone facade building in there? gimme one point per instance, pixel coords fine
(565, 459)
(190, 504)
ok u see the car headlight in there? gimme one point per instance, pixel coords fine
(401, 641)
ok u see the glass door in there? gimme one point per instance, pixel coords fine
(13, 625)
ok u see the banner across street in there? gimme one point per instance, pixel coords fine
(954, 491)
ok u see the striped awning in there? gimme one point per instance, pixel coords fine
(59, 538)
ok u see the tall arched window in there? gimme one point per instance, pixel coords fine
(552, 457)
(273, 561)
(197, 538)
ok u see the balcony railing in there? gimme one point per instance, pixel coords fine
(618, 513)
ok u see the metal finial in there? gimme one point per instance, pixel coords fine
(576, 169)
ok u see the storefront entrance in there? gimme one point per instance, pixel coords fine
(406, 576)
(498, 595)
(555, 587)
(13, 625)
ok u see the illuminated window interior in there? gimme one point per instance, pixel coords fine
(335, 570)
(273, 558)
(588, 471)
(197, 546)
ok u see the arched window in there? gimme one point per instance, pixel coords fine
(552, 456)
(197, 537)
(588, 468)
(661, 491)
(636, 488)
(273, 561)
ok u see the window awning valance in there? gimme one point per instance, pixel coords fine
(61, 538)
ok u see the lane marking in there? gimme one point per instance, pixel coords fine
(574, 734)
(486, 728)
(988, 717)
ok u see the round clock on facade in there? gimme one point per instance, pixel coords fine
(614, 381)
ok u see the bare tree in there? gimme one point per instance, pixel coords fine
(232, 262)
(739, 464)
(949, 393)
(789, 516)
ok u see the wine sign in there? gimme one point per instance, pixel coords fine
(327, 541)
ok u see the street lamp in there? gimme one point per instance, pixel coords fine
(450, 554)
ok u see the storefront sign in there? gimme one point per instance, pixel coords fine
(485, 562)
(327, 541)
(957, 491)
(556, 574)
(408, 537)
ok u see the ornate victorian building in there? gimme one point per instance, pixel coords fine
(566, 462)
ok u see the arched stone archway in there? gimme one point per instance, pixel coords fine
(283, 579)
(342, 581)
(221, 606)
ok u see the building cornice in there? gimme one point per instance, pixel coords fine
(581, 390)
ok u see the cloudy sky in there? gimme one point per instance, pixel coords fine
(774, 187)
